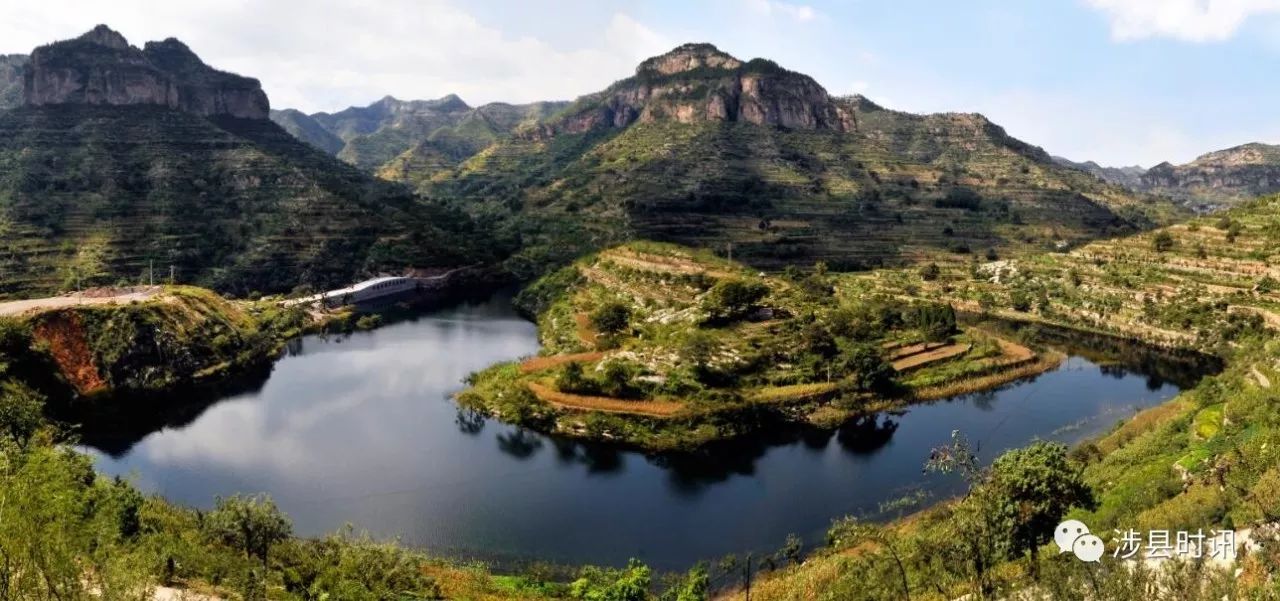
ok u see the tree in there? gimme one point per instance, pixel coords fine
(21, 412)
(611, 318)
(732, 299)
(1034, 487)
(1162, 242)
(251, 524)
(936, 321)
(693, 586)
(865, 369)
(629, 584)
(817, 339)
(571, 379)
(1019, 300)
(930, 272)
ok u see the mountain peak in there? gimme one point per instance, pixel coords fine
(105, 36)
(101, 68)
(688, 57)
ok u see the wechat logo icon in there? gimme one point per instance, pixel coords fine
(1072, 536)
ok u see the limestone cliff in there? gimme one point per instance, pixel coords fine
(101, 68)
(698, 83)
(1219, 178)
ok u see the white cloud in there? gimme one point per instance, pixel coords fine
(329, 54)
(802, 13)
(1093, 128)
(1189, 20)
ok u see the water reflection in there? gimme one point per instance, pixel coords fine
(362, 429)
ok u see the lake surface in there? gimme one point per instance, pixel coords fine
(362, 430)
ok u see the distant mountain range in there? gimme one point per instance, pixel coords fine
(415, 135)
(115, 158)
(119, 159)
(1212, 181)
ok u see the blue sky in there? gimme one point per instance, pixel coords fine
(1117, 81)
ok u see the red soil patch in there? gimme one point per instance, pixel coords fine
(540, 363)
(65, 336)
(605, 404)
(586, 333)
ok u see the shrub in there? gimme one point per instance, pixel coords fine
(250, 524)
(936, 321)
(865, 369)
(611, 318)
(732, 299)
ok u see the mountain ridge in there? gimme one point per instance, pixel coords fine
(703, 149)
(99, 186)
(1212, 180)
(440, 131)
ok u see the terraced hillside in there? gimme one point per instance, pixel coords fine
(1204, 461)
(702, 149)
(1199, 284)
(99, 187)
(666, 347)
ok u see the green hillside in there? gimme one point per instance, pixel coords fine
(414, 139)
(750, 154)
(303, 127)
(100, 194)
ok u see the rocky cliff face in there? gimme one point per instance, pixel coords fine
(699, 83)
(101, 68)
(1219, 178)
(11, 66)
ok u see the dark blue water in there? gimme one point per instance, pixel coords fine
(362, 430)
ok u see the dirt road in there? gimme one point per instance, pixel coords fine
(88, 297)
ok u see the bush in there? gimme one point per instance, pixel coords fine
(733, 299)
(865, 369)
(611, 318)
(936, 321)
(249, 524)
(21, 412)
(960, 197)
(369, 322)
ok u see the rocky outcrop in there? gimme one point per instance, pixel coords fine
(1213, 180)
(11, 67)
(699, 83)
(101, 68)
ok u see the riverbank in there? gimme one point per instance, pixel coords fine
(668, 349)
